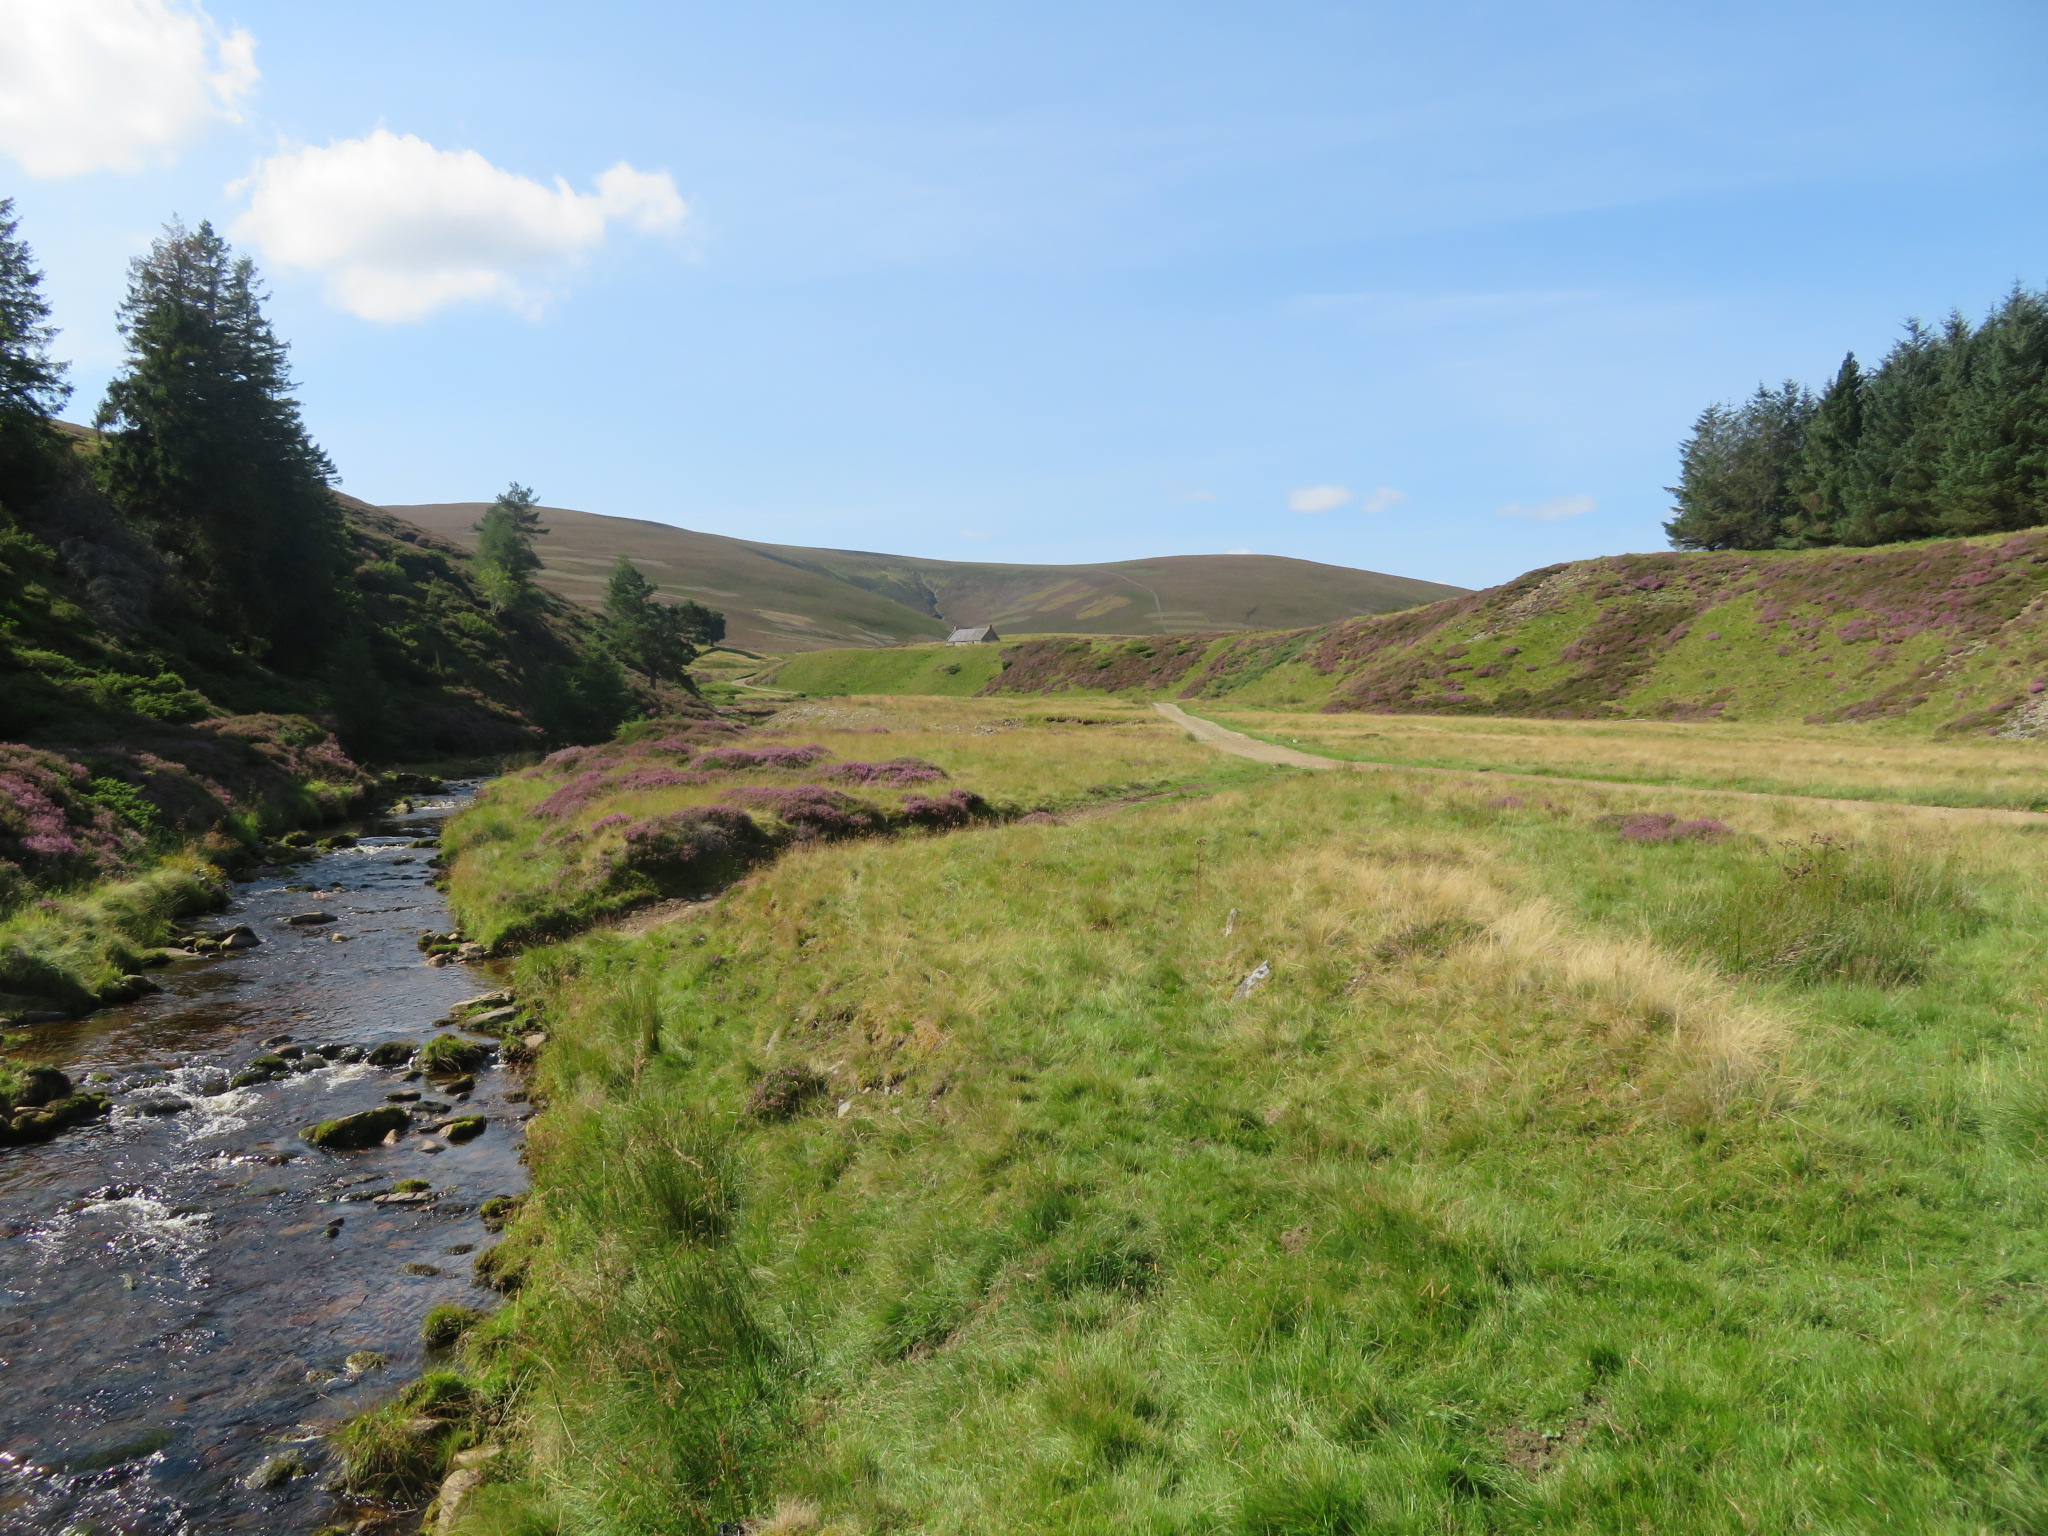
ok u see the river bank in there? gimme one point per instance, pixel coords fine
(191, 1296)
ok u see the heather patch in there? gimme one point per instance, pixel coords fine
(51, 827)
(1658, 827)
(812, 812)
(896, 771)
(693, 848)
(762, 757)
(955, 808)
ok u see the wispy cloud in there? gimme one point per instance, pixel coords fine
(1318, 498)
(1383, 499)
(1549, 511)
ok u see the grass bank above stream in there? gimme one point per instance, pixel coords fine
(1326, 1154)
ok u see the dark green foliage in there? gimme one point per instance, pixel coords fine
(655, 639)
(1735, 482)
(1949, 435)
(205, 448)
(505, 561)
(584, 700)
(32, 386)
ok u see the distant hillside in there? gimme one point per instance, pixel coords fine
(780, 597)
(1949, 635)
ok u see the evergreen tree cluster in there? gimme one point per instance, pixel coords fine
(202, 448)
(1947, 436)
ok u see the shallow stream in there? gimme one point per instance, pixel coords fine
(181, 1289)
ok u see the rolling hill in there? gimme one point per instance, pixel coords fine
(1942, 635)
(780, 597)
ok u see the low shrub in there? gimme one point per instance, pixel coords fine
(761, 757)
(955, 808)
(812, 812)
(896, 771)
(1657, 827)
(693, 848)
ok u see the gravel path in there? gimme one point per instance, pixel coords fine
(1223, 739)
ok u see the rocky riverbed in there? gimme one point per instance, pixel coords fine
(191, 1292)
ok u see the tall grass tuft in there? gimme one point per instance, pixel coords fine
(1826, 909)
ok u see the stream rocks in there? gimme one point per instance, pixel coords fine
(352, 1133)
(392, 1053)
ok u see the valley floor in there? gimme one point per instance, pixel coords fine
(1184, 1144)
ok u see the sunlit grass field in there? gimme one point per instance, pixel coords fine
(1836, 761)
(1326, 1153)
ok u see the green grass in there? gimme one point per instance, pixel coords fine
(519, 876)
(1519, 1197)
(956, 671)
(66, 950)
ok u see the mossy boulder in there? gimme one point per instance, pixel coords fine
(351, 1133)
(444, 1326)
(451, 1056)
(392, 1053)
(467, 1128)
(498, 1210)
(30, 1123)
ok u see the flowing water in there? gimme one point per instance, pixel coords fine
(181, 1289)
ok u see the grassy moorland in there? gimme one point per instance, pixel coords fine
(1920, 638)
(1845, 761)
(680, 808)
(1328, 1154)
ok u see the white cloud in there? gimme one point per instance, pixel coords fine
(1549, 511)
(401, 229)
(1382, 499)
(112, 85)
(1318, 498)
(1237, 551)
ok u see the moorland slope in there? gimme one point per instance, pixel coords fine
(1942, 635)
(780, 597)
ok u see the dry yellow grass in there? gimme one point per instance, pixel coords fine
(1845, 761)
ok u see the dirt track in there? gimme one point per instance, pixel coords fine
(1223, 739)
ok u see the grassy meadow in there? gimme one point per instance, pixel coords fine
(1845, 761)
(1300, 1154)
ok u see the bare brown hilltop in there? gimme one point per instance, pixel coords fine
(779, 597)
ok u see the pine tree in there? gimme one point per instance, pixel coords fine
(1735, 478)
(1907, 408)
(1993, 471)
(205, 446)
(505, 561)
(32, 387)
(1827, 459)
(643, 633)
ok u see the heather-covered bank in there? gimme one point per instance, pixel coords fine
(681, 808)
(1943, 636)
(102, 848)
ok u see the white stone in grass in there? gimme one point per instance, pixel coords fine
(1252, 983)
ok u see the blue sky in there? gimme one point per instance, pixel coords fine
(1429, 289)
